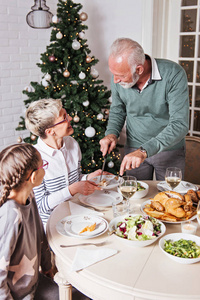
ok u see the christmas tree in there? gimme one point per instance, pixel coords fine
(69, 74)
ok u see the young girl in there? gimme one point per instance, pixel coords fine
(23, 246)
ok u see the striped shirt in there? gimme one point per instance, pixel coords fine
(64, 169)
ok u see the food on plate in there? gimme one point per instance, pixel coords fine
(140, 187)
(182, 248)
(103, 182)
(138, 228)
(170, 206)
(88, 228)
(193, 195)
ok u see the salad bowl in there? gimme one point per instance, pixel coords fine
(177, 237)
(142, 190)
(141, 229)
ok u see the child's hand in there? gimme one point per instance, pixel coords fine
(84, 187)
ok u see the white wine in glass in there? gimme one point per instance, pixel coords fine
(128, 187)
(173, 177)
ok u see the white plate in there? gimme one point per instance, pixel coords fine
(115, 221)
(114, 182)
(176, 237)
(177, 222)
(182, 188)
(73, 224)
(103, 198)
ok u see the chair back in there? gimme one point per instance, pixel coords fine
(192, 159)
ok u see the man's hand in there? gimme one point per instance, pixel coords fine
(108, 143)
(132, 161)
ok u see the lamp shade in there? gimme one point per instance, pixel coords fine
(39, 17)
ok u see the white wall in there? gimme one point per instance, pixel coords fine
(21, 45)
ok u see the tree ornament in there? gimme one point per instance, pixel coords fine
(88, 59)
(47, 77)
(90, 131)
(66, 73)
(74, 82)
(55, 19)
(33, 137)
(52, 58)
(94, 73)
(44, 82)
(19, 140)
(110, 99)
(76, 45)
(86, 103)
(107, 111)
(28, 88)
(83, 16)
(100, 116)
(81, 34)
(111, 164)
(59, 35)
(76, 119)
(81, 75)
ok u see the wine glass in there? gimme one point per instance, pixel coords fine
(128, 187)
(173, 177)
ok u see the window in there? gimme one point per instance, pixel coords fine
(189, 57)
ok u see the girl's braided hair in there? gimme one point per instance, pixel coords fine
(15, 163)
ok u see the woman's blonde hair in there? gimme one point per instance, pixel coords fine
(15, 163)
(41, 114)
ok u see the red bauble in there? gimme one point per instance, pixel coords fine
(52, 58)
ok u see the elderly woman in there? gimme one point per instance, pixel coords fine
(47, 119)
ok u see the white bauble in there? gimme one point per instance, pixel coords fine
(19, 140)
(81, 75)
(59, 35)
(94, 73)
(81, 34)
(99, 116)
(111, 164)
(90, 131)
(55, 19)
(76, 119)
(86, 103)
(110, 99)
(74, 82)
(44, 82)
(28, 88)
(76, 45)
(47, 76)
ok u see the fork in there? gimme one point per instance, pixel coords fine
(84, 244)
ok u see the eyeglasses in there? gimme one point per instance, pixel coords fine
(66, 119)
(44, 166)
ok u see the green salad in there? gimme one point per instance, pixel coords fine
(182, 248)
(140, 187)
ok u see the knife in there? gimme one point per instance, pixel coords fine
(102, 168)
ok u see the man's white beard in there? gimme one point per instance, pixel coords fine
(128, 85)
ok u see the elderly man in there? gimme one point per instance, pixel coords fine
(151, 95)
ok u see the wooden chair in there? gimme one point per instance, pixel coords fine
(192, 159)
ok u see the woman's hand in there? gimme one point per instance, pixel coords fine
(84, 187)
(97, 173)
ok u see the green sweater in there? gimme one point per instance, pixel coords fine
(157, 118)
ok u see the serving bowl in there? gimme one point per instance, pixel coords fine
(143, 193)
(113, 226)
(175, 237)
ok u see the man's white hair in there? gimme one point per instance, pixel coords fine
(129, 48)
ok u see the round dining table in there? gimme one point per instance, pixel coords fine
(134, 273)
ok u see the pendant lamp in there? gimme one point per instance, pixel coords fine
(39, 17)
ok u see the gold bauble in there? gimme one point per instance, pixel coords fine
(106, 111)
(66, 73)
(33, 137)
(83, 16)
(19, 140)
(76, 119)
(88, 59)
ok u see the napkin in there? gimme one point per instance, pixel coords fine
(84, 258)
(77, 209)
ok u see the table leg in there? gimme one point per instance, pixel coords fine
(65, 288)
